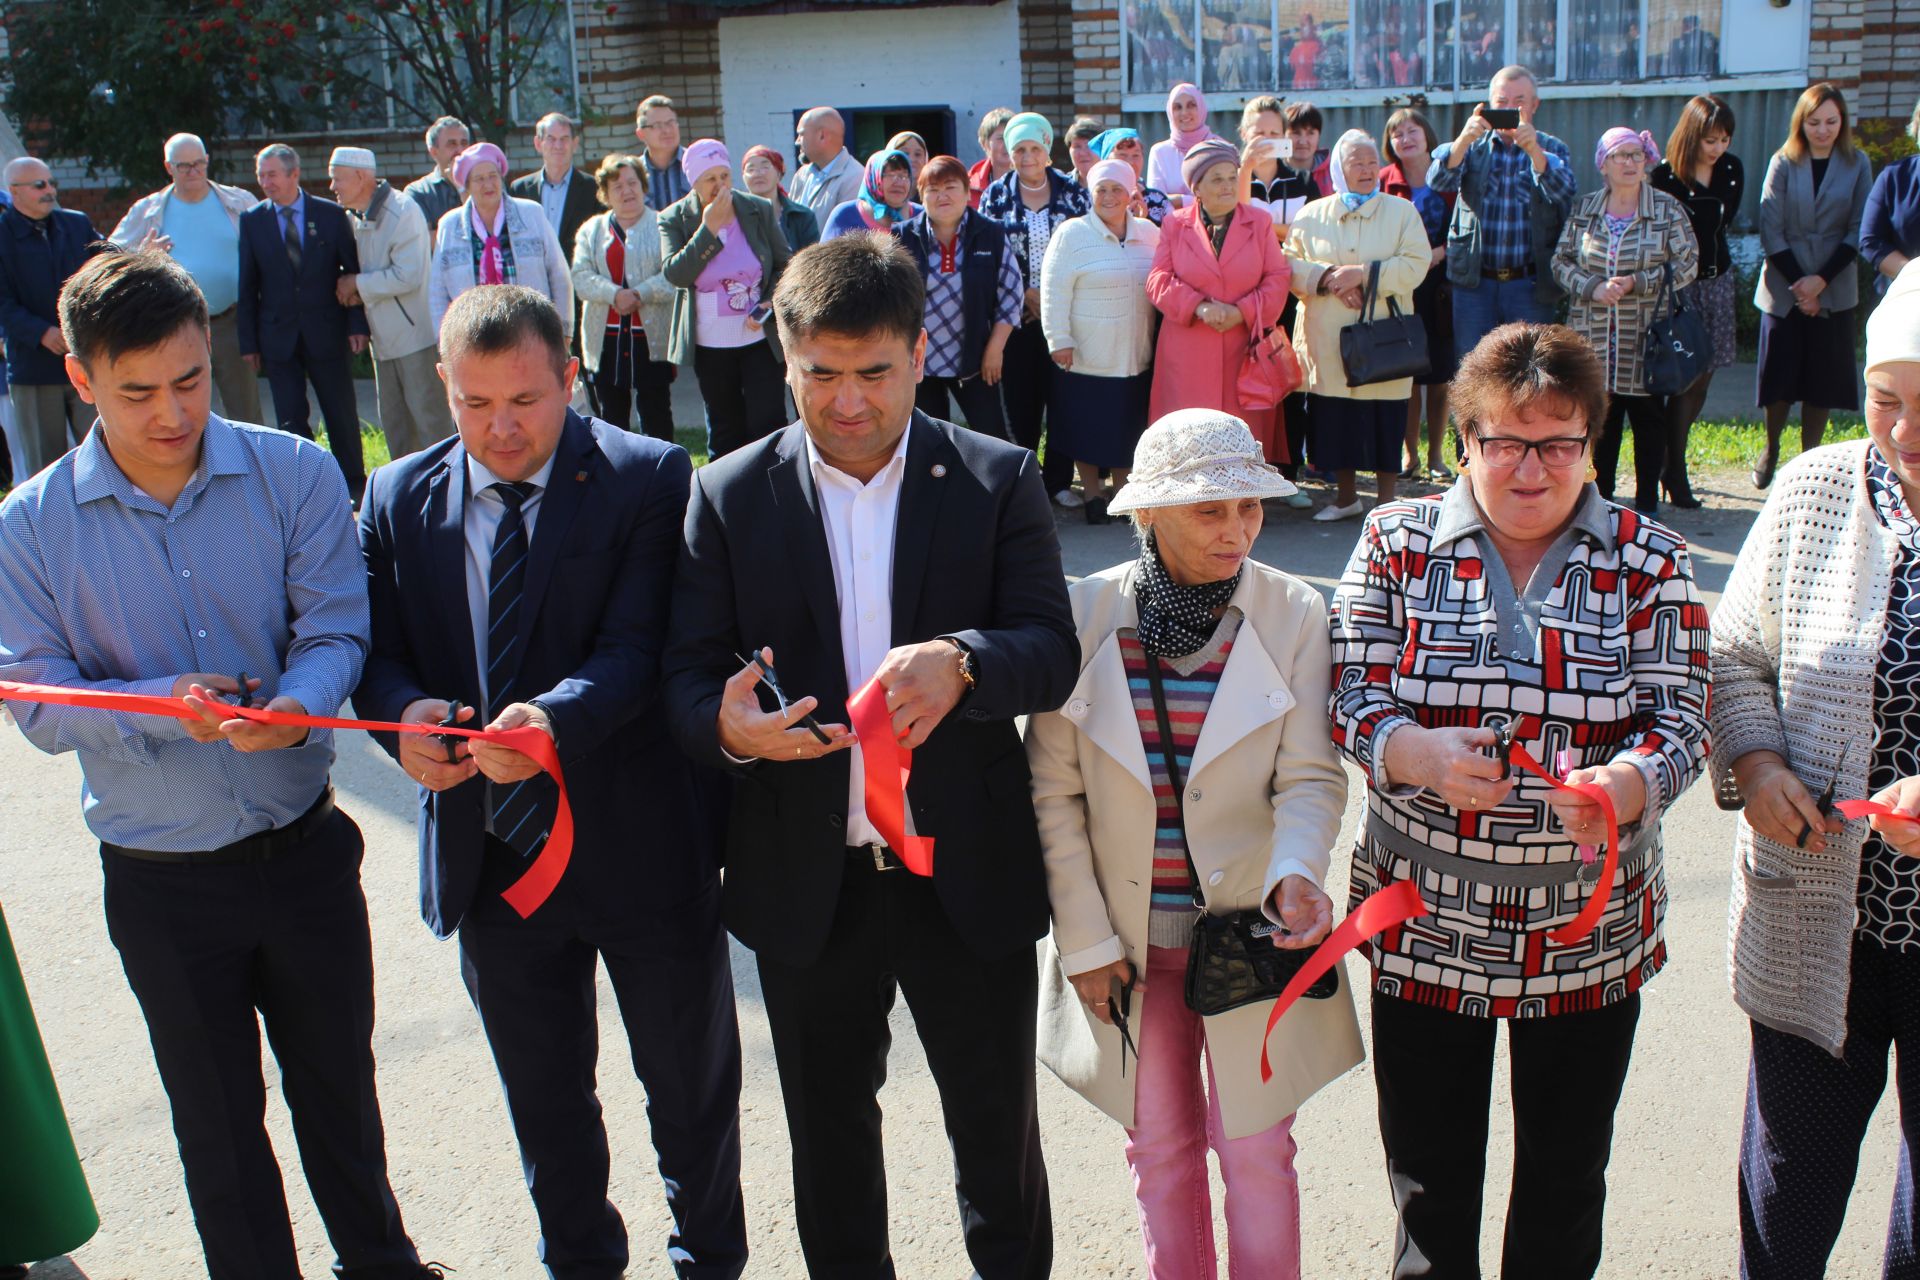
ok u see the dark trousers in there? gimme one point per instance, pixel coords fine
(205, 948)
(936, 397)
(642, 384)
(1433, 1070)
(975, 1019)
(1294, 409)
(332, 379)
(1026, 384)
(1649, 417)
(532, 982)
(1806, 1114)
(743, 392)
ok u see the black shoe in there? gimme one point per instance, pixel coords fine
(1096, 510)
(1682, 497)
(434, 1271)
(1763, 469)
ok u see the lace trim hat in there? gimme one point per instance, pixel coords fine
(1197, 455)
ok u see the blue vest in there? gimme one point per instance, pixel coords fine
(983, 245)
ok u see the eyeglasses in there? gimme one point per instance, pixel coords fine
(1507, 451)
(38, 184)
(190, 166)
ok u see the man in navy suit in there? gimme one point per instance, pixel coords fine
(524, 567)
(294, 247)
(41, 245)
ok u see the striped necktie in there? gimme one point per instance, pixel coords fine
(522, 812)
(291, 234)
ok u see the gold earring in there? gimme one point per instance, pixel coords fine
(1592, 474)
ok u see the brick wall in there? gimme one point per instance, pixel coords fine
(1096, 57)
(1835, 44)
(645, 47)
(1889, 74)
(1047, 72)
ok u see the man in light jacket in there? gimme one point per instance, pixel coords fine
(395, 248)
(178, 219)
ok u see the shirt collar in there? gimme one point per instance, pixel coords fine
(299, 207)
(566, 180)
(499, 219)
(96, 475)
(825, 472)
(479, 478)
(1460, 516)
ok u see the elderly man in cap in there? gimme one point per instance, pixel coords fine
(197, 220)
(395, 249)
(41, 245)
(437, 192)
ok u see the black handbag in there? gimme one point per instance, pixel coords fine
(1380, 350)
(1679, 348)
(1232, 960)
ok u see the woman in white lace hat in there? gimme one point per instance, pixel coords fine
(1816, 654)
(1240, 827)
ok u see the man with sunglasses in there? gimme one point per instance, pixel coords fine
(41, 245)
(197, 220)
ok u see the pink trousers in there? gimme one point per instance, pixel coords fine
(1175, 1121)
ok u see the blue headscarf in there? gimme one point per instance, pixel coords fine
(1103, 143)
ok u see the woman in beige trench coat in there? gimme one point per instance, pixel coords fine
(1245, 667)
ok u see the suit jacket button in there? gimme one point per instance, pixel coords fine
(1077, 708)
(1194, 795)
(1276, 699)
(1216, 877)
(835, 821)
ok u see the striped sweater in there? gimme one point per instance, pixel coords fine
(1190, 683)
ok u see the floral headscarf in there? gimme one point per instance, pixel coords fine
(871, 200)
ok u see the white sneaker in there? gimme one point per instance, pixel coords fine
(1069, 499)
(1299, 501)
(1330, 514)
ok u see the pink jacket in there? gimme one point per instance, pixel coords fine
(1195, 367)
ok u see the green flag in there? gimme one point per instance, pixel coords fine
(45, 1208)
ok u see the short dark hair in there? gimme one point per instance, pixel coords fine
(858, 285)
(1085, 128)
(489, 319)
(941, 169)
(1519, 366)
(123, 301)
(1303, 115)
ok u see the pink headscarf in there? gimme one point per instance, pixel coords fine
(1613, 139)
(705, 155)
(478, 153)
(1113, 171)
(1183, 139)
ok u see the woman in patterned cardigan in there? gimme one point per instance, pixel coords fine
(1618, 249)
(1519, 600)
(1816, 655)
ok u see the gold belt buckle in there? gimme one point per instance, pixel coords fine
(879, 852)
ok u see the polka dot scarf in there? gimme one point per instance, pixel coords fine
(1175, 620)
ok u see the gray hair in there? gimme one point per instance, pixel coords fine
(180, 140)
(443, 124)
(1349, 140)
(19, 165)
(1515, 71)
(548, 120)
(280, 151)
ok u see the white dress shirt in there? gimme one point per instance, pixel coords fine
(485, 509)
(860, 522)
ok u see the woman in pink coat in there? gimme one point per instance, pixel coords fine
(1217, 274)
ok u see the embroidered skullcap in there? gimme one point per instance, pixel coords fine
(1893, 330)
(352, 158)
(1197, 455)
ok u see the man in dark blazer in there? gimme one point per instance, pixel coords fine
(870, 541)
(562, 191)
(524, 567)
(294, 247)
(41, 245)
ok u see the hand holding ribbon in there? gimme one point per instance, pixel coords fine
(525, 895)
(887, 767)
(1894, 813)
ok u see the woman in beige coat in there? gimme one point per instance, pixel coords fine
(626, 303)
(1136, 851)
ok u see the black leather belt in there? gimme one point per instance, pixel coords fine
(875, 856)
(1504, 274)
(262, 846)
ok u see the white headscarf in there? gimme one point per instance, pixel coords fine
(1337, 164)
(1893, 330)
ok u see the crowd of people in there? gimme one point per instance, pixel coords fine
(685, 642)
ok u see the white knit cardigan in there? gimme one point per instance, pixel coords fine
(1796, 641)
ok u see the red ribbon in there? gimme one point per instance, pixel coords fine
(1584, 923)
(1389, 908)
(1872, 809)
(887, 766)
(524, 895)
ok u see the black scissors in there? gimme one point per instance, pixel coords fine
(1119, 1011)
(450, 740)
(773, 683)
(243, 698)
(1825, 801)
(1502, 749)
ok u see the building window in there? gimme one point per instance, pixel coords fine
(1160, 44)
(1315, 36)
(1604, 41)
(1390, 47)
(1237, 45)
(1683, 37)
(1537, 37)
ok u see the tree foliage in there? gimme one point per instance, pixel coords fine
(109, 79)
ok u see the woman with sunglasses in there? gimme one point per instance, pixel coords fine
(1519, 609)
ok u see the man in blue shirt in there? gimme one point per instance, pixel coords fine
(1516, 188)
(170, 545)
(566, 195)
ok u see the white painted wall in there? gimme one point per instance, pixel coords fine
(1757, 36)
(966, 57)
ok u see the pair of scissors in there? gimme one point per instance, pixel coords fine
(1825, 802)
(772, 682)
(1502, 749)
(1119, 1011)
(448, 740)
